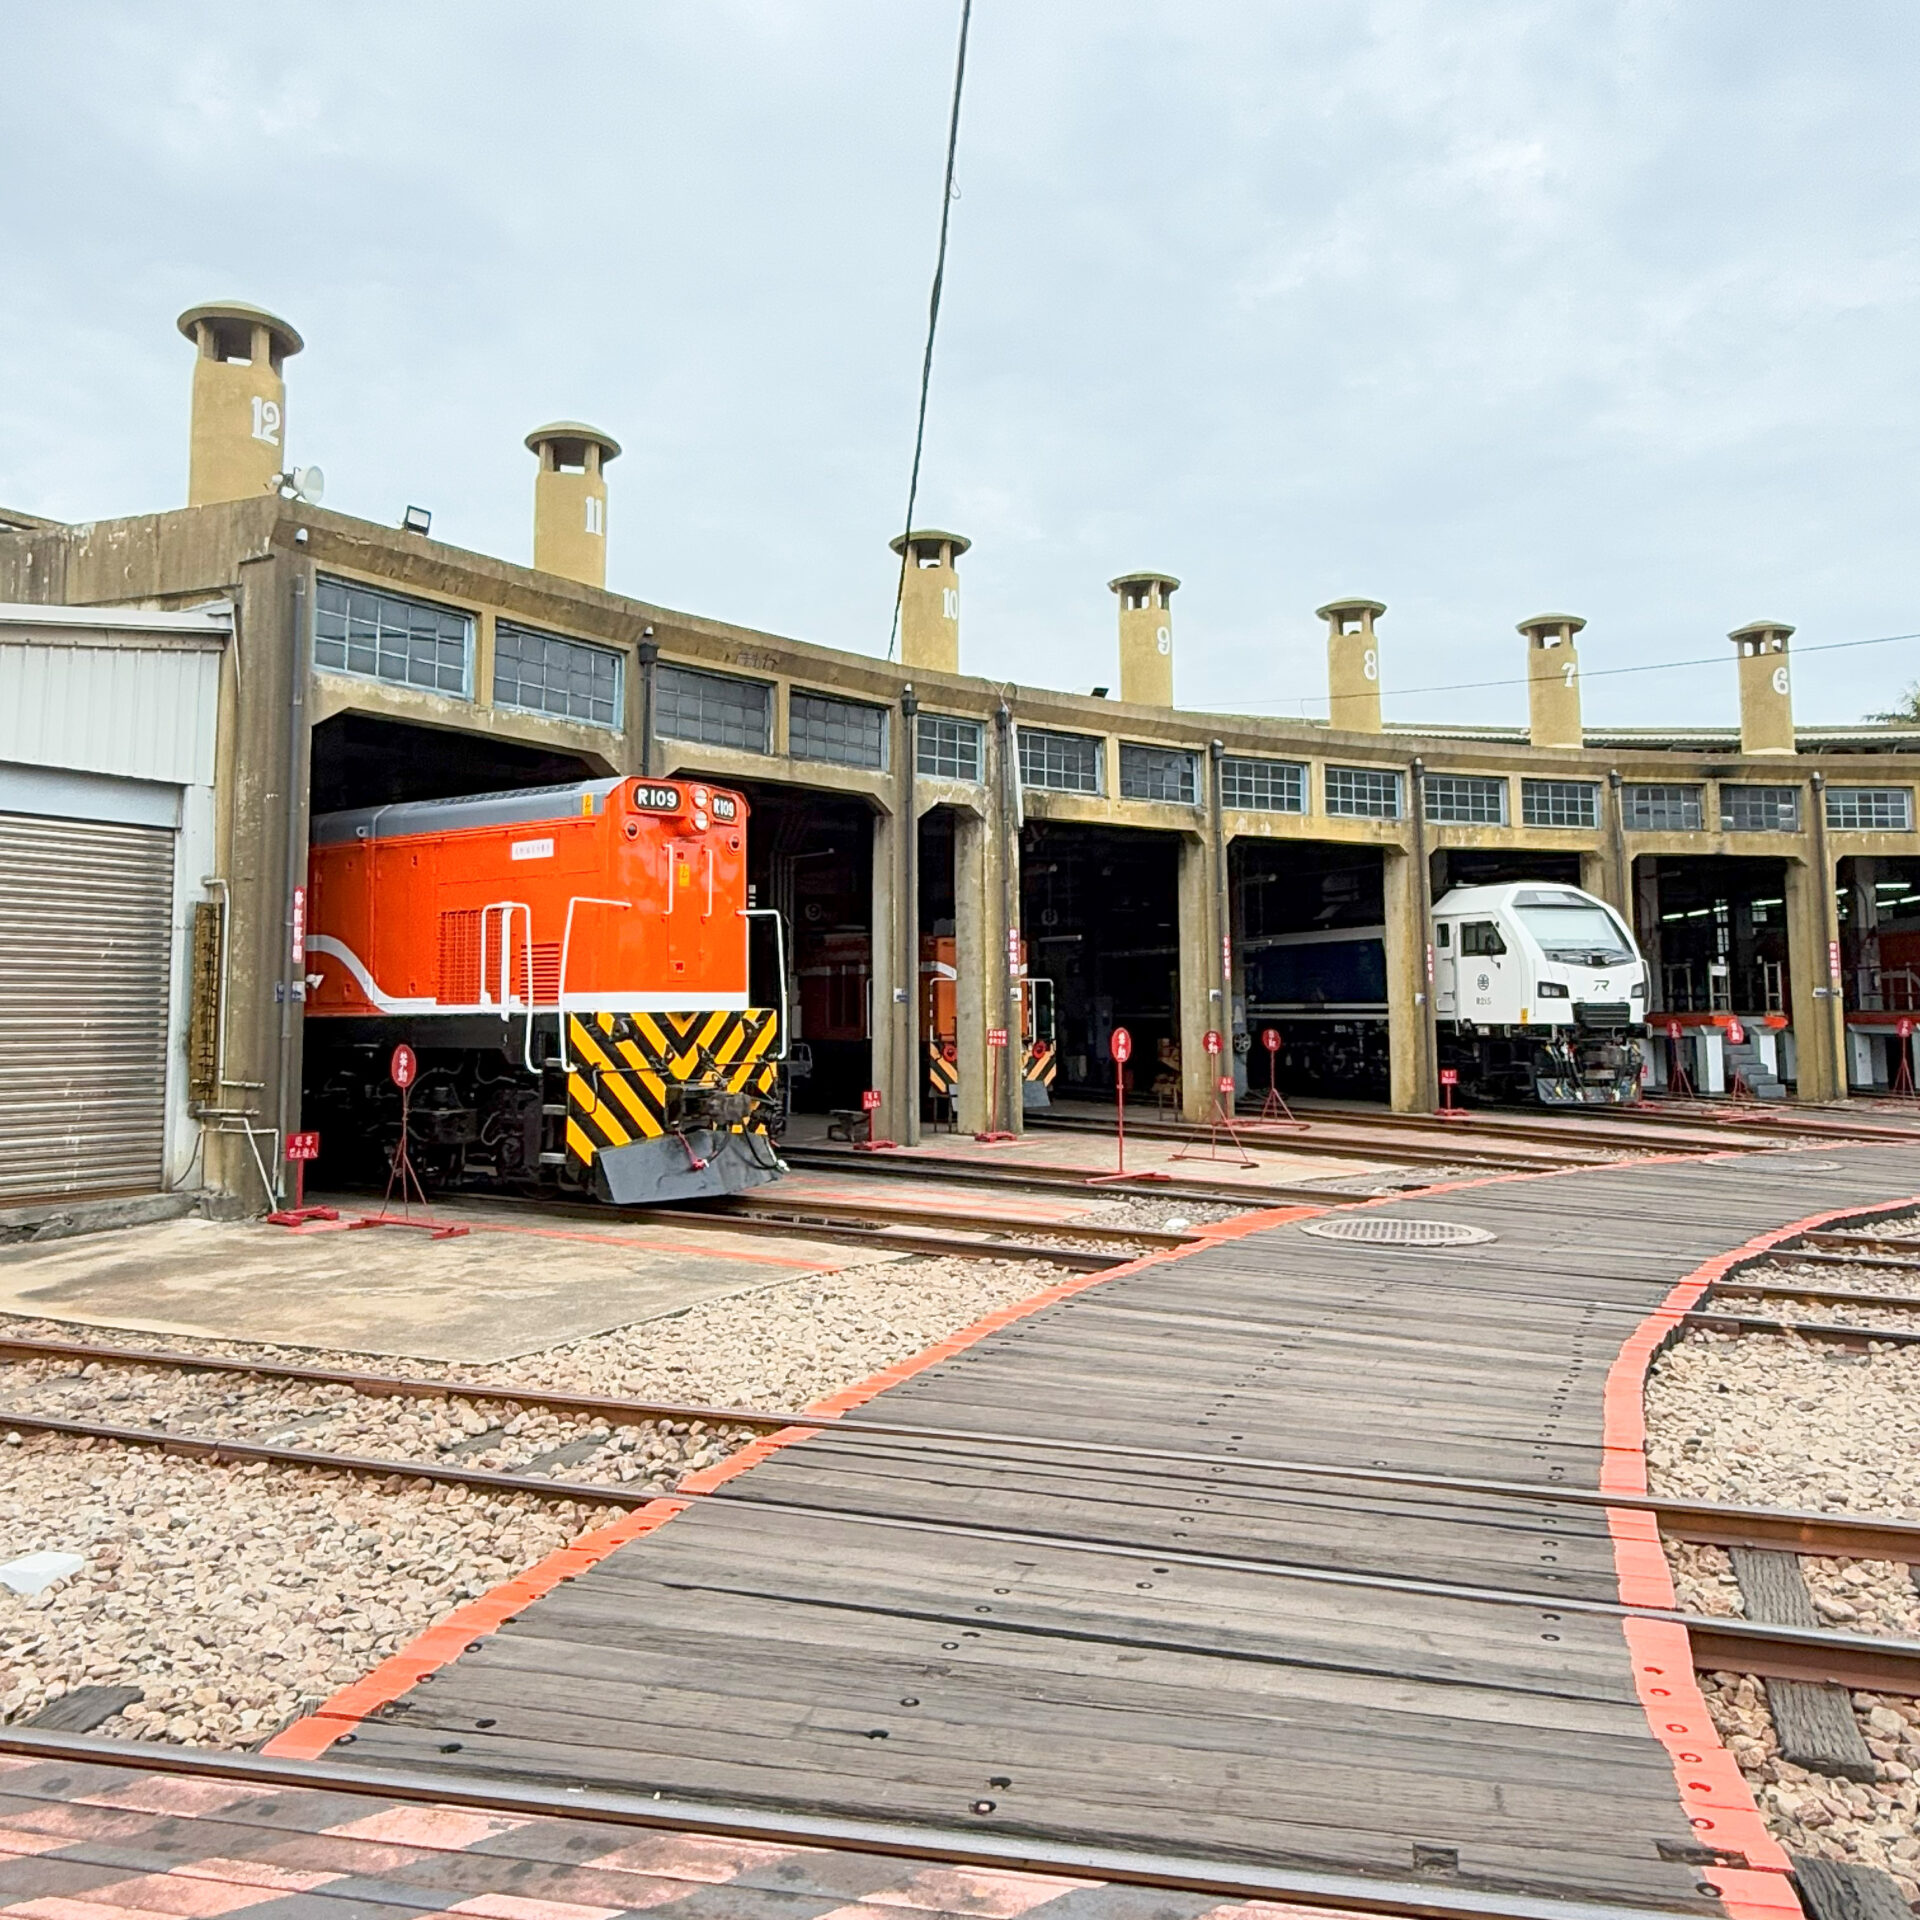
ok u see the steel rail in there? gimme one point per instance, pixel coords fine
(222, 1452)
(1826, 1332)
(1843, 1296)
(1711, 1136)
(1852, 1660)
(1442, 1151)
(1866, 1242)
(1876, 1662)
(970, 1846)
(1821, 1257)
(1844, 1535)
(952, 1169)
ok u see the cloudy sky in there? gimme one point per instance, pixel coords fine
(1477, 307)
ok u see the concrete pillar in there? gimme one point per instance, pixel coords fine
(1596, 877)
(1406, 958)
(1146, 637)
(999, 981)
(570, 500)
(238, 438)
(977, 936)
(930, 599)
(1553, 679)
(898, 1089)
(1200, 1008)
(1353, 664)
(1813, 922)
(1766, 687)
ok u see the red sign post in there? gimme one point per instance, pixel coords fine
(1274, 1110)
(403, 1069)
(1222, 1114)
(997, 1048)
(870, 1106)
(301, 1147)
(1679, 1082)
(1902, 1086)
(1449, 1079)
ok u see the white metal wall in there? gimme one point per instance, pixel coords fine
(108, 727)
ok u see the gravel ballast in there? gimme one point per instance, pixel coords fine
(1775, 1420)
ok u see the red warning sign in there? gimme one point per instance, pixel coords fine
(1226, 1083)
(1121, 1045)
(1212, 1042)
(403, 1069)
(996, 1036)
(1904, 1028)
(303, 1146)
(1736, 1033)
(1270, 1039)
(1449, 1076)
(870, 1100)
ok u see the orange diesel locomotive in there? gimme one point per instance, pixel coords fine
(570, 965)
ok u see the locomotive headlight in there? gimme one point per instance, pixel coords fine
(1639, 990)
(700, 797)
(700, 820)
(1551, 990)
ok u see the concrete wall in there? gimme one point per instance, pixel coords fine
(260, 553)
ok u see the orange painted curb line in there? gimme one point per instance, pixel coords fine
(1720, 1805)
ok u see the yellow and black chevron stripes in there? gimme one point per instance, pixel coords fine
(1043, 1062)
(943, 1075)
(625, 1063)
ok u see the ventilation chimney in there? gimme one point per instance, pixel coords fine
(1353, 664)
(570, 500)
(1766, 688)
(239, 401)
(1146, 637)
(1553, 679)
(930, 600)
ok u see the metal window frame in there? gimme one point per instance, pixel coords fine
(1166, 756)
(962, 726)
(326, 583)
(1688, 793)
(1034, 745)
(1839, 798)
(1389, 779)
(665, 698)
(1747, 790)
(1555, 792)
(799, 698)
(518, 630)
(1475, 786)
(1275, 772)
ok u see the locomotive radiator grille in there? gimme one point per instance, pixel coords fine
(626, 1066)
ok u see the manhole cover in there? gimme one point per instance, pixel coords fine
(1794, 1164)
(1391, 1230)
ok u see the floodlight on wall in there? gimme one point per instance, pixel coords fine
(1099, 693)
(416, 520)
(306, 484)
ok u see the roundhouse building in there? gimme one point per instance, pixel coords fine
(219, 672)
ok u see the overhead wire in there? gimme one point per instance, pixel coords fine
(933, 320)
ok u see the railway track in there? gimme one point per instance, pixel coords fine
(577, 1816)
(1038, 1441)
(1345, 1143)
(1783, 1653)
(1025, 1177)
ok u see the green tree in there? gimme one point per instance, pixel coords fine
(1908, 711)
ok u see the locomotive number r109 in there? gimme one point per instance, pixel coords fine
(655, 799)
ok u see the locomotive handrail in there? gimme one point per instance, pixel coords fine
(566, 944)
(506, 909)
(779, 920)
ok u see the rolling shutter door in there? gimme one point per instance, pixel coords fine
(85, 915)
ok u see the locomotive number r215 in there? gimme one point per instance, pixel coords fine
(654, 799)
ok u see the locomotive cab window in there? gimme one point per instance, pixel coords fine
(1443, 935)
(1481, 937)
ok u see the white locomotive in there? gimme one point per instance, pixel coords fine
(1539, 993)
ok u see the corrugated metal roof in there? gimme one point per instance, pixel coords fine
(143, 713)
(214, 620)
